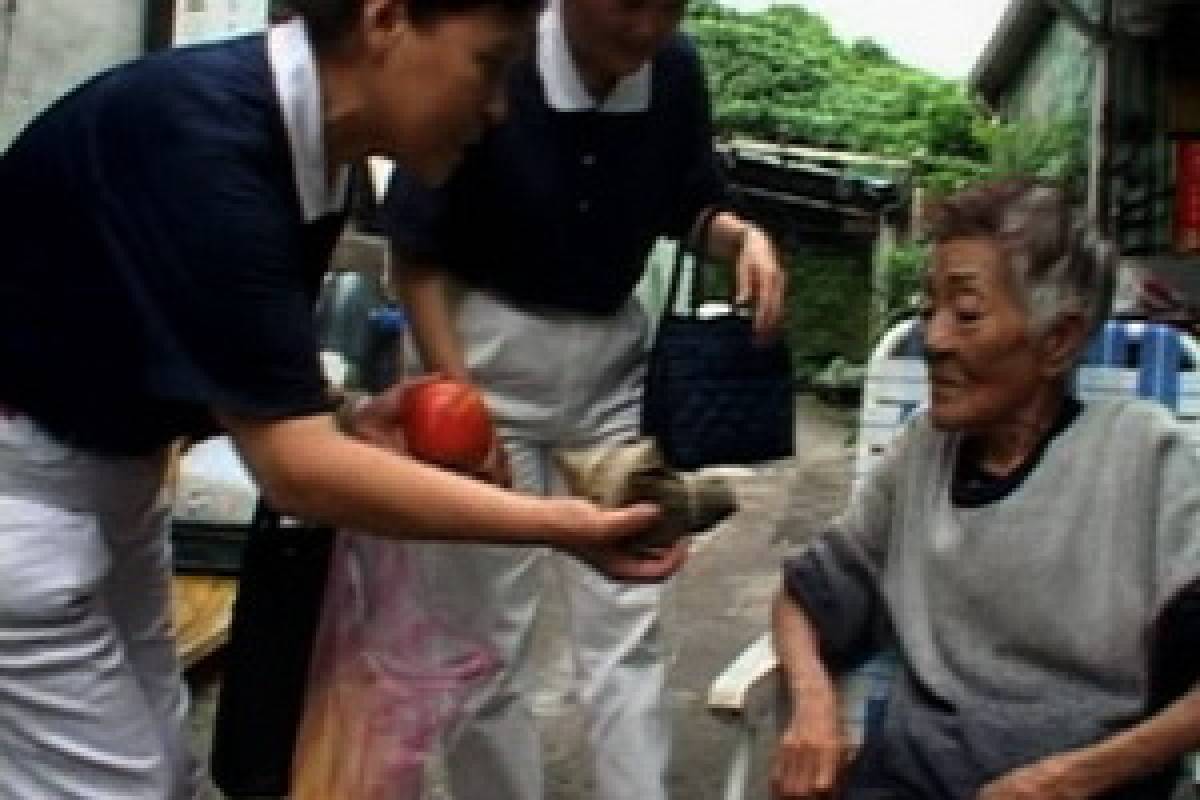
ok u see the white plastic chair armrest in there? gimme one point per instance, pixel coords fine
(746, 694)
(747, 679)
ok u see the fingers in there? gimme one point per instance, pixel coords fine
(761, 282)
(393, 394)
(417, 380)
(502, 467)
(390, 402)
(807, 766)
(772, 293)
(496, 468)
(747, 279)
(772, 308)
(623, 523)
(377, 421)
(806, 782)
(648, 567)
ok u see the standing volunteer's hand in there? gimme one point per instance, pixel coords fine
(378, 419)
(761, 282)
(496, 469)
(601, 537)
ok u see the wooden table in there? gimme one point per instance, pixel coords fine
(202, 608)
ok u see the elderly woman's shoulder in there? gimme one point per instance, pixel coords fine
(1130, 410)
(1133, 420)
(1116, 422)
(920, 425)
(918, 435)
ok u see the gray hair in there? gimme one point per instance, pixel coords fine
(1059, 264)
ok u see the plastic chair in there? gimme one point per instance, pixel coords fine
(1125, 358)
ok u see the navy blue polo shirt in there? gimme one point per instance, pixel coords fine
(158, 266)
(559, 209)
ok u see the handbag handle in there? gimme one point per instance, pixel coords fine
(697, 244)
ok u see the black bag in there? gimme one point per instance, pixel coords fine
(713, 395)
(199, 548)
(275, 619)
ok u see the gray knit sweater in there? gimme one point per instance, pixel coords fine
(1023, 625)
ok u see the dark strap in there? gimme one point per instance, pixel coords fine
(696, 244)
(275, 621)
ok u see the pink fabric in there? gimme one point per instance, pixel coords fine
(388, 677)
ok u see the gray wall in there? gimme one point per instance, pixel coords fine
(1057, 79)
(49, 46)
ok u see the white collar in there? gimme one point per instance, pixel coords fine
(296, 83)
(564, 87)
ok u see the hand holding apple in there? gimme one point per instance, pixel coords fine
(446, 422)
(436, 420)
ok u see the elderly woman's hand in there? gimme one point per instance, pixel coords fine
(761, 281)
(810, 758)
(1053, 778)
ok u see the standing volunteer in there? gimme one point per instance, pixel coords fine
(545, 227)
(166, 228)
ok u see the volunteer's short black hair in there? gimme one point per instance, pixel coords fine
(329, 20)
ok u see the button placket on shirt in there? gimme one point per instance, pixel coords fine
(586, 152)
(587, 161)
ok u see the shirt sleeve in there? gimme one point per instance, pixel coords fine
(704, 182)
(1175, 629)
(200, 212)
(837, 578)
(412, 216)
(1176, 471)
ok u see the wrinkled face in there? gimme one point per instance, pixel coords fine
(985, 359)
(433, 88)
(614, 38)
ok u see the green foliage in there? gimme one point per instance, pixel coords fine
(1052, 149)
(904, 272)
(943, 175)
(781, 75)
(827, 316)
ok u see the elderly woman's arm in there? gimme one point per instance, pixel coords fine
(827, 617)
(1090, 772)
(812, 748)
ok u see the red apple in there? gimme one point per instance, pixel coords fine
(447, 423)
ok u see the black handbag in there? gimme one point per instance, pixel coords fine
(713, 395)
(275, 618)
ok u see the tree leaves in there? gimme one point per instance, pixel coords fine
(782, 75)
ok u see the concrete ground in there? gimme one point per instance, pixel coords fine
(719, 606)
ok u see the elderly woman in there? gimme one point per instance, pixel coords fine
(1019, 548)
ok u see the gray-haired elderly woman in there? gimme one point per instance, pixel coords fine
(1020, 548)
